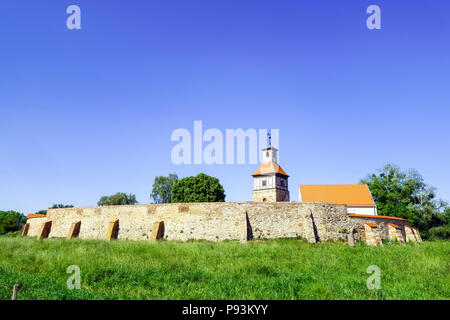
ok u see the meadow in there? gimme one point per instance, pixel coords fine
(262, 269)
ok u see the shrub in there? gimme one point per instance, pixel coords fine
(441, 232)
(11, 221)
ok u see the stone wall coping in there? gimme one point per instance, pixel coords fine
(35, 215)
(375, 217)
(198, 203)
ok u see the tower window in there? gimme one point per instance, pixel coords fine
(267, 154)
(264, 183)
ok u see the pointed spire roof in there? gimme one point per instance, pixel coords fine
(269, 168)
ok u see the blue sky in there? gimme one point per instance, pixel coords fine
(86, 113)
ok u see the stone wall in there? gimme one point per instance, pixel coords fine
(372, 234)
(206, 221)
(35, 225)
(382, 226)
(216, 222)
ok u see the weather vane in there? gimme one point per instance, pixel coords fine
(269, 139)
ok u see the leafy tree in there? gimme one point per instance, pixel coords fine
(58, 206)
(201, 188)
(405, 195)
(162, 188)
(117, 199)
(11, 221)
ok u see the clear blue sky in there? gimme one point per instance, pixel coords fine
(89, 112)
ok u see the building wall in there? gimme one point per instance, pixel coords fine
(270, 181)
(362, 210)
(271, 195)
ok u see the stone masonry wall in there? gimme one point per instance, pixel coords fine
(271, 195)
(217, 221)
(35, 224)
(382, 223)
(207, 221)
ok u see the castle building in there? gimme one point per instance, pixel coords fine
(270, 182)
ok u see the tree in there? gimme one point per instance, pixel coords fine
(162, 188)
(405, 195)
(58, 206)
(11, 221)
(201, 188)
(117, 199)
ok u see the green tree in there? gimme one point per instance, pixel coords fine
(11, 221)
(117, 199)
(405, 195)
(58, 206)
(201, 188)
(162, 188)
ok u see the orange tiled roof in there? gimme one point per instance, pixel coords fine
(375, 217)
(394, 225)
(268, 168)
(357, 195)
(371, 225)
(35, 215)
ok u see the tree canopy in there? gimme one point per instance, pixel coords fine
(162, 188)
(201, 188)
(405, 195)
(117, 199)
(11, 221)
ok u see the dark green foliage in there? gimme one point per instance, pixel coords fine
(58, 206)
(405, 195)
(439, 233)
(117, 199)
(201, 188)
(200, 270)
(162, 188)
(11, 221)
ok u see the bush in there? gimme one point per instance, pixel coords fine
(11, 221)
(439, 233)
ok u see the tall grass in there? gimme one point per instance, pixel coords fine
(269, 269)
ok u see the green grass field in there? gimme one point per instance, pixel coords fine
(268, 269)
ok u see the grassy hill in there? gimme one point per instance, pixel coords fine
(268, 269)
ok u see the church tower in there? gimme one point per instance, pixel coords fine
(270, 182)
